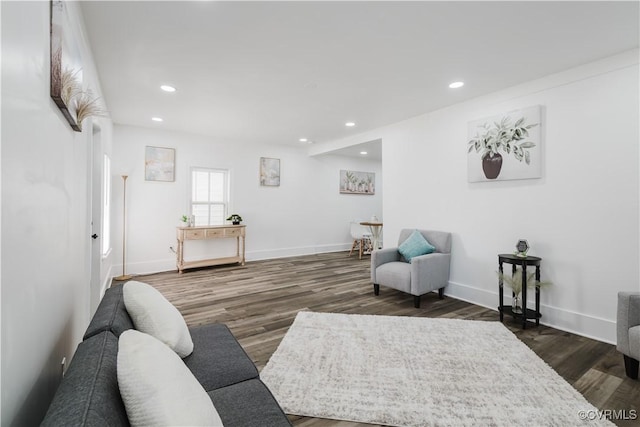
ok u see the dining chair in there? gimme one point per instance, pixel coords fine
(361, 238)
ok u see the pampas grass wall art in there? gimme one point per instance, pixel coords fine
(75, 102)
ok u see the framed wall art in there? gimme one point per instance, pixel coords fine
(159, 164)
(66, 64)
(352, 182)
(269, 172)
(506, 146)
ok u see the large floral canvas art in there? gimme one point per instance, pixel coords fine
(506, 146)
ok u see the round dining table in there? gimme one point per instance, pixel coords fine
(375, 228)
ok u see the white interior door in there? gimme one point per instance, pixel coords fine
(96, 200)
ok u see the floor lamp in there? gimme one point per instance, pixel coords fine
(124, 230)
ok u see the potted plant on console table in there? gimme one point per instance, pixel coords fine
(235, 219)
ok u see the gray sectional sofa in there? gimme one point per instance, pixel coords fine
(89, 394)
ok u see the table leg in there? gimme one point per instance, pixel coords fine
(537, 296)
(513, 294)
(243, 245)
(375, 237)
(524, 295)
(500, 292)
(376, 234)
(179, 257)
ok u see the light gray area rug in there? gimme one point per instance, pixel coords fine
(409, 371)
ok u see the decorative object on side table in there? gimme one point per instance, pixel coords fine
(514, 281)
(184, 221)
(519, 310)
(522, 248)
(235, 219)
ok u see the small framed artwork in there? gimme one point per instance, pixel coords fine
(159, 164)
(269, 172)
(352, 182)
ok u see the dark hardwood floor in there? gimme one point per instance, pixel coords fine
(259, 301)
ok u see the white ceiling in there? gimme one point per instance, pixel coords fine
(274, 72)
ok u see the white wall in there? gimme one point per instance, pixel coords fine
(582, 217)
(304, 215)
(45, 217)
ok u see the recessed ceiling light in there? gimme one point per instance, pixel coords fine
(350, 124)
(364, 153)
(456, 85)
(303, 140)
(168, 88)
(156, 119)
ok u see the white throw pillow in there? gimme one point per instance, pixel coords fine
(156, 386)
(154, 315)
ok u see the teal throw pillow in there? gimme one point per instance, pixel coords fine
(415, 245)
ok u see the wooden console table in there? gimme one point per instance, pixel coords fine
(206, 233)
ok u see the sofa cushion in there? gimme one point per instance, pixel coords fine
(154, 315)
(89, 394)
(218, 359)
(156, 386)
(111, 314)
(395, 274)
(249, 403)
(414, 246)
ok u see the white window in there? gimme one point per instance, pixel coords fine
(106, 205)
(209, 195)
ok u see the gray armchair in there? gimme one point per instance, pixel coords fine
(424, 274)
(628, 331)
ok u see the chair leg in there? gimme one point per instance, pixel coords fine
(441, 293)
(376, 289)
(631, 367)
(352, 247)
(361, 242)
(416, 301)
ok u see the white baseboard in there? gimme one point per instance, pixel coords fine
(107, 282)
(147, 267)
(297, 251)
(555, 317)
(558, 318)
(157, 266)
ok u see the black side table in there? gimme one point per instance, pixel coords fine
(523, 262)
